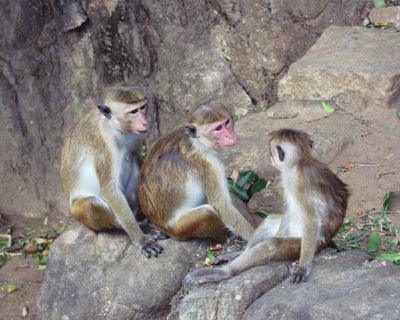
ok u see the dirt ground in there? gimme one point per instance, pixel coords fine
(373, 170)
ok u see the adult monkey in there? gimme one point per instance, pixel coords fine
(183, 188)
(316, 202)
(100, 167)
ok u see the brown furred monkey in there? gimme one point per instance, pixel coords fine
(316, 203)
(183, 188)
(100, 167)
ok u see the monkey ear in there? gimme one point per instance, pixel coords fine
(106, 111)
(281, 153)
(191, 131)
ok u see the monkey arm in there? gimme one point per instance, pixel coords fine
(311, 232)
(125, 217)
(235, 221)
(220, 199)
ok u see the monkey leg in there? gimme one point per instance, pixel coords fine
(271, 249)
(94, 213)
(259, 254)
(199, 222)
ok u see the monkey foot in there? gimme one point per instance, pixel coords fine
(296, 274)
(152, 249)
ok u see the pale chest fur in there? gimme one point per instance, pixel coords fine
(301, 203)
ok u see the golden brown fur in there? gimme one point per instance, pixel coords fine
(315, 206)
(100, 164)
(183, 188)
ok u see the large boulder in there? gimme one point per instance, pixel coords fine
(102, 276)
(363, 63)
(58, 55)
(339, 288)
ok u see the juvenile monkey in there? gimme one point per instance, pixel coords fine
(316, 202)
(183, 188)
(100, 167)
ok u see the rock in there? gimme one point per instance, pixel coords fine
(385, 17)
(340, 287)
(347, 59)
(56, 59)
(230, 299)
(102, 276)
(309, 116)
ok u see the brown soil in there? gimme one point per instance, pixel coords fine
(374, 152)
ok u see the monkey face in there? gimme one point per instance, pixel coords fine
(135, 119)
(223, 134)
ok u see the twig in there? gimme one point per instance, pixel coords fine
(367, 164)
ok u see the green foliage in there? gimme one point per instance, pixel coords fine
(376, 234)
(32, 242)
(210, 255)
(246, 185)
(328, 108)
(379, 3)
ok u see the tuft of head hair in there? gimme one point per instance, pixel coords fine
(124, 94)
(298, 138)
(209, 113)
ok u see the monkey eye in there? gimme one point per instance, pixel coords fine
(227, 122)
(218, 128)
(134, 111)
(142, 108)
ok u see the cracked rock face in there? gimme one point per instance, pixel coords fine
(56, 58)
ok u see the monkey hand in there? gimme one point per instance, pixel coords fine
(149, 229)
(151, 248)
(224, 258)
(297, 274)
(206, 275)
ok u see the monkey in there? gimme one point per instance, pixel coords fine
(100, 161)
(183, 188)
(315, 206)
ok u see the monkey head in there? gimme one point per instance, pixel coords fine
(288, 146)
(214, 125)
(125, 110)
(223, 134)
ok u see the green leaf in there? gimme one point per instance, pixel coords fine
(239, 192)
(328, 108)
(379, 3)
(387, 202)
(11, 287)
(263, 213)
(258, 186)
(210, 255)
(244, 178)
(25, 311)
(392, 257)
(373, 243)
(388, 128)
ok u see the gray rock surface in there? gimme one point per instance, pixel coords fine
(342, 286)
(93, 277)
(57, 56)
(102, 276)
(363, 62)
